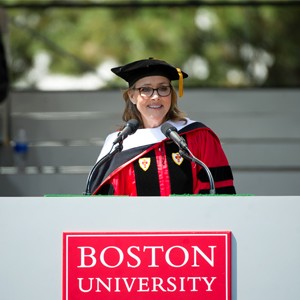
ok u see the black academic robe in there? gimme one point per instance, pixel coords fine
(150, 164)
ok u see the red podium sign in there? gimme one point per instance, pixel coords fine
(147, 265)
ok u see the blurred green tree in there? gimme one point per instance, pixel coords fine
(219, 46)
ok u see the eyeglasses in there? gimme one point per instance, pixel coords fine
(146, 91)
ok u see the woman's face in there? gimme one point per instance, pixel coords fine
(153, 108)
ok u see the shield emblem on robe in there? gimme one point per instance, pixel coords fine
(177, 158)
(145, 163)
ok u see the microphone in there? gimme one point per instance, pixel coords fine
(130, 128)
(171, 132)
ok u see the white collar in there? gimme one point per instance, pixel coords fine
(144, 136)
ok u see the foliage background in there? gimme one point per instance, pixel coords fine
(220, 44)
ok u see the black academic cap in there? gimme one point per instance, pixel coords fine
(150, 67)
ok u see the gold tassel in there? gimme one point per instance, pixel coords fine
(180, 83)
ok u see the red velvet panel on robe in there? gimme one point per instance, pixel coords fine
(157, 169)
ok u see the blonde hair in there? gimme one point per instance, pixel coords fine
(131, 111)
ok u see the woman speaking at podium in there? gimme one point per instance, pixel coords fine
(145, 158)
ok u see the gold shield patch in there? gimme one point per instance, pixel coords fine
(177, 158)
(145, 163)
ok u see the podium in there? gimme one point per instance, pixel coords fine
(265, 237)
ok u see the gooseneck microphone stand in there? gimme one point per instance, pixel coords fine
(100, 162)
(189, 156)
(171, 132)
